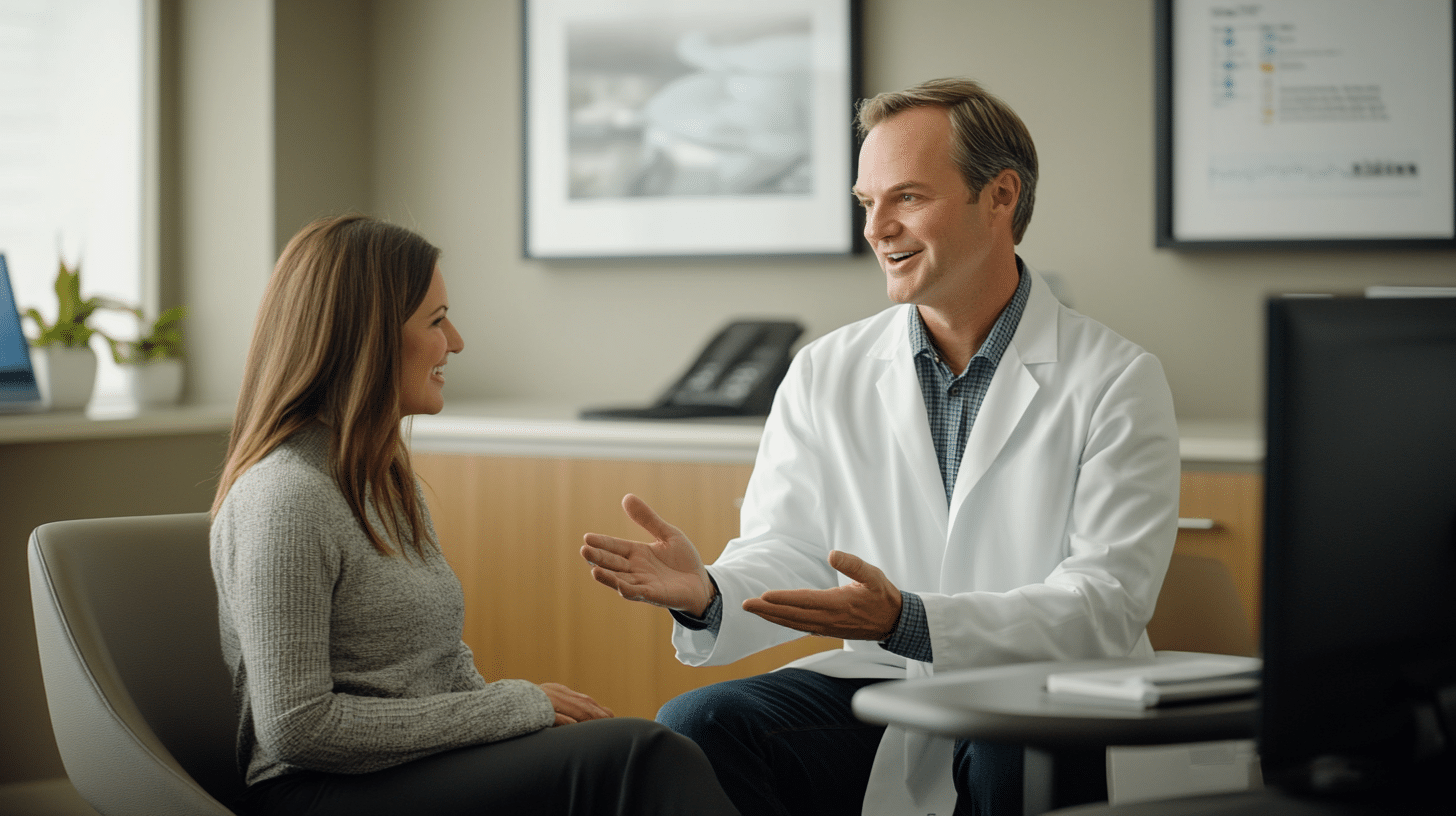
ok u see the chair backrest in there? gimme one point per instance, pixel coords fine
(140, 700)
(1199, 610)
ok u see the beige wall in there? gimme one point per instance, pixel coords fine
(221, 134)
(447, 160)
(322, 133)
(413, 108)
(447, 129)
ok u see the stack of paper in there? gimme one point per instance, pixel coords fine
(1194, 677)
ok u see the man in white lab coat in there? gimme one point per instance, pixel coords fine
(974, 477)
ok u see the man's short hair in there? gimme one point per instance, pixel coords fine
(986, 135)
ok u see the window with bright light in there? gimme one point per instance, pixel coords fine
(71, 156)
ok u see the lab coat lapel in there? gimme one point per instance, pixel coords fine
(899, 389)
(1012, 389)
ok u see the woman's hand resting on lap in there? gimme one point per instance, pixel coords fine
(573, 706)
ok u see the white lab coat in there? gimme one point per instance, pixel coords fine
(1054, 544)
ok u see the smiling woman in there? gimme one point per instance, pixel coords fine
(428, 337)
(340, 617)
(329, 349)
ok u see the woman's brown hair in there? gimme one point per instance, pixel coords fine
(326, 349)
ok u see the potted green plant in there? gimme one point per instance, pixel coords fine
(65, 365)
(152, 364)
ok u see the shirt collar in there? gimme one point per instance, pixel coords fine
(1001, 332)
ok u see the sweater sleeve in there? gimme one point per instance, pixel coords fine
(467, 677)
(277, 559)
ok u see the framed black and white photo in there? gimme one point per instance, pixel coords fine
(1305, 123)
(669, 128)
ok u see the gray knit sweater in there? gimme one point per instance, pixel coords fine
(343, 660)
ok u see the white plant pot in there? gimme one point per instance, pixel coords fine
(155, 383)
(66, 375)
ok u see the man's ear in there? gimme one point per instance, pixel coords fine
(1005, 190)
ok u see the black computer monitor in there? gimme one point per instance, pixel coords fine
(1359, 620)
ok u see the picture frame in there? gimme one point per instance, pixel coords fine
(1313, 124)
(678, 128)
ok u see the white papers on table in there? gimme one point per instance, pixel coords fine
(1194, 677)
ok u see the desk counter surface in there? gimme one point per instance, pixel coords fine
(114, 422)
(553, 429)
(543, 428)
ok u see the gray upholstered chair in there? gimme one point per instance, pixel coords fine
(141, 703)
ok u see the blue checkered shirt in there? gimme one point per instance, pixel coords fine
(952, 402)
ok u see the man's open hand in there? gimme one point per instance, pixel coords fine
(666, 571)
(865, 609)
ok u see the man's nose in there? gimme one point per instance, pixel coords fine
(878, 225)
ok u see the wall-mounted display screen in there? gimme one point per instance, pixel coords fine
(1298, 122)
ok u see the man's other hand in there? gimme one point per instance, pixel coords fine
(867, 608)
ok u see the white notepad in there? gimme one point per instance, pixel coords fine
(1196, 677)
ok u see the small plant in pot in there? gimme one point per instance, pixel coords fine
(65, 365)
(152, 363)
